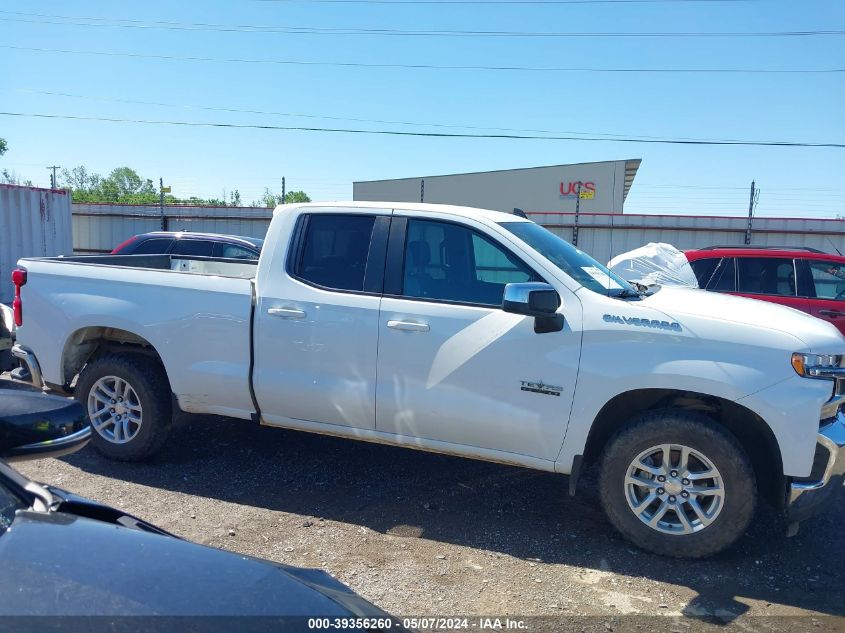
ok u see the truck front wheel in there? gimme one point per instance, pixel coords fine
(128, 402)
(676, 483)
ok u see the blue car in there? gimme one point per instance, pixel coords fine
(189, 243)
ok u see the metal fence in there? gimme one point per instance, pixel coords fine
(34, 222)
(98, 228)
(605, 235)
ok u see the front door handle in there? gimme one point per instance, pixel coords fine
(831, 313)
(287, 313)
(408, 326)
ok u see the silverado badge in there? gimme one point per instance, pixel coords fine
(540, 387)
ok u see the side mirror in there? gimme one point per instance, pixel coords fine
(34, 424)
(534, 299)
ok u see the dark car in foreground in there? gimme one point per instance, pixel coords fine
(802, 278)
(64, 555)
(189, 243)
(34, 424)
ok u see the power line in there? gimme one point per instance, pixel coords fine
(424, 134)
(311, 30)
(540, 69)
(356, 120)
(502, 2)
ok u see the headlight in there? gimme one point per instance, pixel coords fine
(818, 365)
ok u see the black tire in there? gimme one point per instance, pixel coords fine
(148, 379)
(702, 434)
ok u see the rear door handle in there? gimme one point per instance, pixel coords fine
(287, 313)
(831, 313)
(408, 326)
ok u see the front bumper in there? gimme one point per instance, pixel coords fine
(808, 496)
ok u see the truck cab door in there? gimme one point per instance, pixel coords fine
(453, 367)
(317, 320)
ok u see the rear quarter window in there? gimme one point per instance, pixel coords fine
(155, 246)
(235, 251)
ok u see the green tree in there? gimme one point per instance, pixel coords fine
(79, 179)
(11, 178)
(124, 185)
(270, 199)
(296, 196)
(3, 146)
(126, 182)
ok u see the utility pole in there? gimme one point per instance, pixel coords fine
(161, 204)
(283, 190)
(752, 202)
(577, 213)
(422, 190)
(53, 182)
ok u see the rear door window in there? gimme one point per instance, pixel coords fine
(766, 276)
(198, 248)
(334, 250)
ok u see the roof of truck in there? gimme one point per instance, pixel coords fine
(493, 216)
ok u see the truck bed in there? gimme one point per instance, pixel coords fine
(196, 313)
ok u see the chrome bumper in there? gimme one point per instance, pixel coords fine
(25, 355)
(806, 497)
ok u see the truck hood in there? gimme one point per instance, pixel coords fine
(682, 304)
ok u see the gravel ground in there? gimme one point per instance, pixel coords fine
(424, 534)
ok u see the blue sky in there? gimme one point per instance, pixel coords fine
(205, 161)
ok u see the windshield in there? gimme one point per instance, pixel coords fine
(577, 264)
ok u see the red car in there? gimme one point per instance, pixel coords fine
(803, 278)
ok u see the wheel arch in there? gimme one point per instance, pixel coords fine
(752, 432)
(89, 342)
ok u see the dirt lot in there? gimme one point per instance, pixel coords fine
(424, 534)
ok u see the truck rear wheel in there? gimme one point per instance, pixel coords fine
(128, 402)
(678, 484)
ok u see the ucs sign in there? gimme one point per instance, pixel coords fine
(570, 189)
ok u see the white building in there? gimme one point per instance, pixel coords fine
(602, 188)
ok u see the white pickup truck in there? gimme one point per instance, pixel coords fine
(460, 331)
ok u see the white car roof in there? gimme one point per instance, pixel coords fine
(452, 209)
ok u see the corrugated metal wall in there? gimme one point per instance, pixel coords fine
(605, 235)
(33, 223)
(98, 228)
